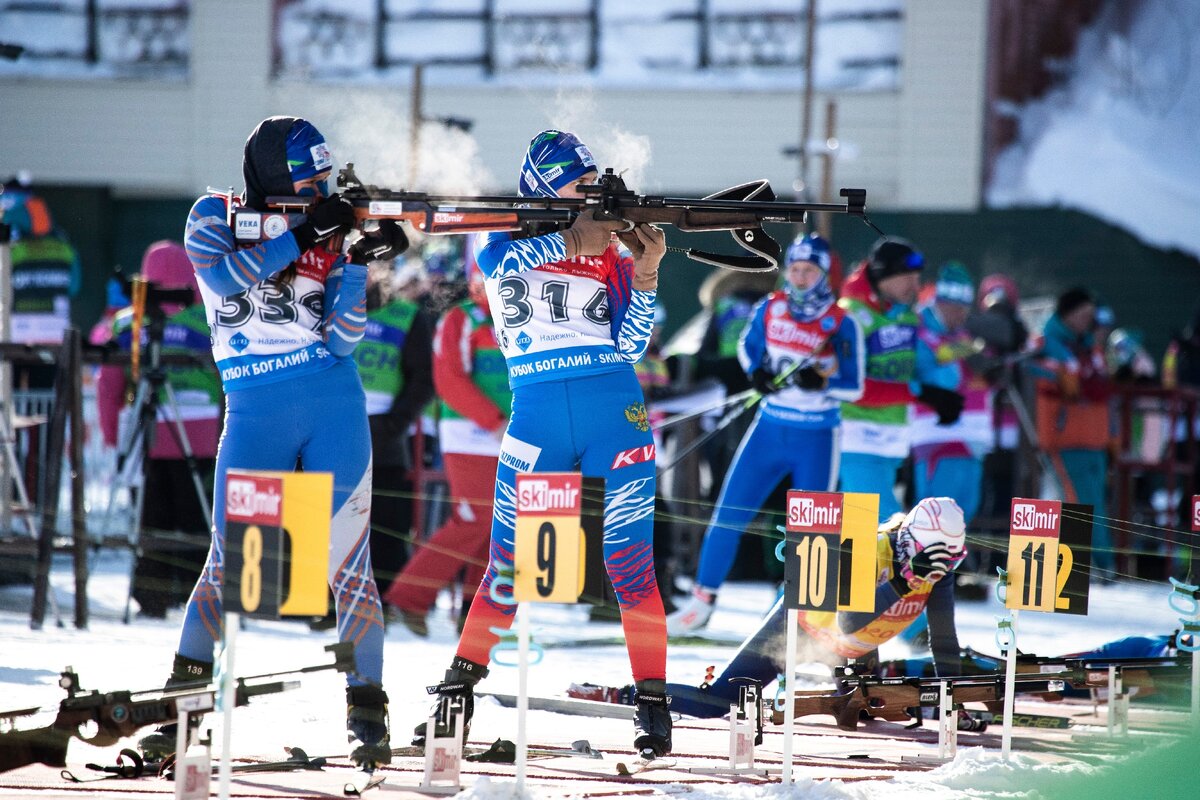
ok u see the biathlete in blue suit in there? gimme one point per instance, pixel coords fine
(285, 315)
(572, 315)
(805, 355)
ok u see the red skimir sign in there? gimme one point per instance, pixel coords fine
(1036, 517)
(549, 492)
(1196, 513)
(814, 512)
(252, 499)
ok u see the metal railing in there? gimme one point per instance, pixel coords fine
(95, 33)
(491, 37)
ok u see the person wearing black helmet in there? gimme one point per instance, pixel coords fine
(879, 295)
(285, 315)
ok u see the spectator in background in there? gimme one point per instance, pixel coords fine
(474, 402)
(167, 566)
(395, 364)
(879, 295)
(729, 297)
(804, 355)
(948, 459)
(45, 276)
(997, 324)
(1073, 418)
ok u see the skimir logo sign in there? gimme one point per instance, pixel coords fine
(557, 493)
(819, 512)
(255, 499)
(1036, 517)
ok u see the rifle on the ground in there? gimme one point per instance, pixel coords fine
(890, 698)
(1149, 675)
(740, 209)
(104, 718)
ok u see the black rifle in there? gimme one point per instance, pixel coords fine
(741, 210)
(111, 716)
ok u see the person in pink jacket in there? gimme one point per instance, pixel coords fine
(175, 529)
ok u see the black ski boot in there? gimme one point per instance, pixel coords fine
(367, 726)
(459, 682)
(652, 719)
(158, 745)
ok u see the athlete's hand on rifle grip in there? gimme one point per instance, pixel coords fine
(810, 379)
(333, 215)
(382, 245)
(764, 382)
(589, 236)
(648, 244)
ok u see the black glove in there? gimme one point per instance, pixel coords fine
(382, 245)
(331, 216)
(764, 382)
(948, 404)
(810, 379)
(931, 564)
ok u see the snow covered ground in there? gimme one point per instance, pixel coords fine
(1118, 138)
(110, 655)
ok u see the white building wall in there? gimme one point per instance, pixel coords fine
(916, 148)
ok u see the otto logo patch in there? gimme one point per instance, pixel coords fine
(638, 455)
(547, 493)
(322, 160)
(253, 499)
(817, 512)
(1036, 517)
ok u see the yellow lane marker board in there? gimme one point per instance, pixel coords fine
(1049, 556)
(550, 555)
(277, 543)
(829, 555)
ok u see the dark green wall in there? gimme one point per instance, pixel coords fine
(1046, 250)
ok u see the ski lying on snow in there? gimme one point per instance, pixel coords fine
(566, 705)
(364, 781)
(640, 765)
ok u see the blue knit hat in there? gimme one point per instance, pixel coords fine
(810, 303)
(307, 153)
(553, 160)
(812, 248)
(954, 284)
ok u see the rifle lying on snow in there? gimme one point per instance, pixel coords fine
(740, 210)
(1149, 675)
(111, 716)
(890, 698)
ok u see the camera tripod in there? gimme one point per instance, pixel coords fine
(136, 442)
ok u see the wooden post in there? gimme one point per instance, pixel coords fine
(54, 455)
(416, 117)
(825, 221)
(72, 343)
